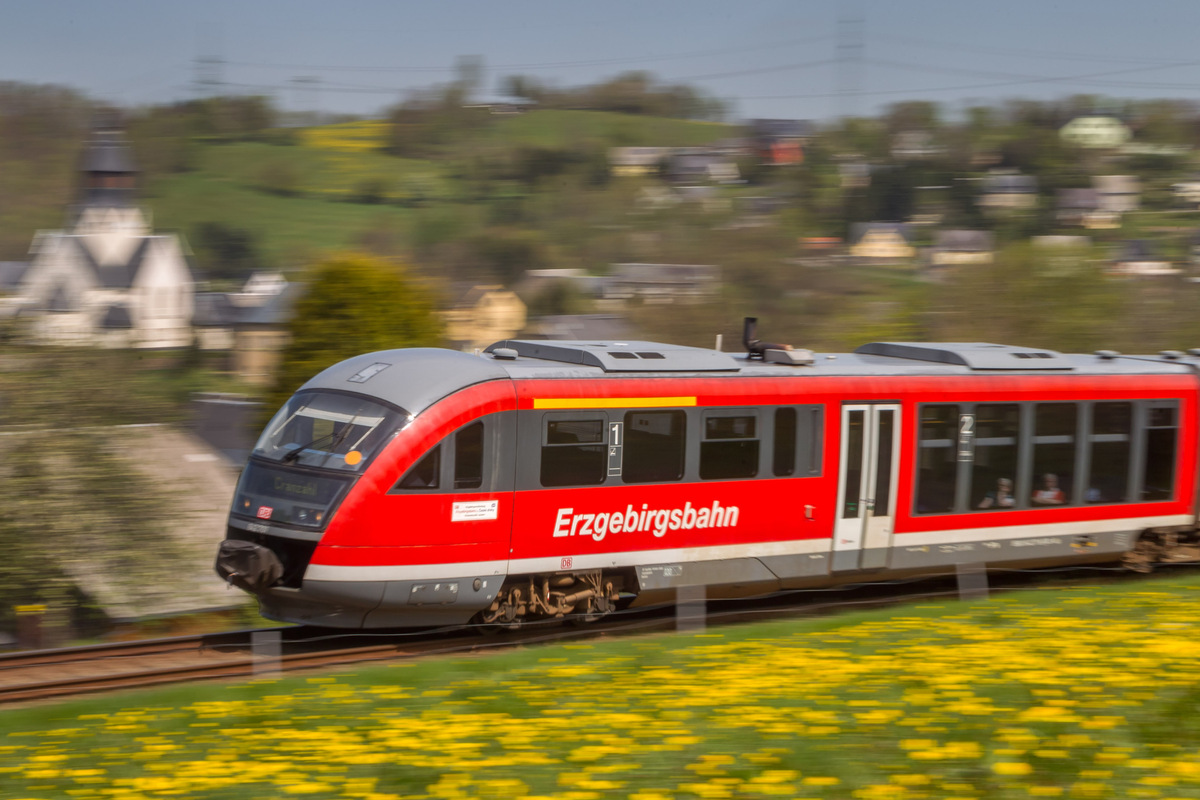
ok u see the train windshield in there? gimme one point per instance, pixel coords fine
(327, 430)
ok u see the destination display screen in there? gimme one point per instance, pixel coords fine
(290, 497)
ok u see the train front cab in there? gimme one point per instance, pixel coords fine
(416, 519)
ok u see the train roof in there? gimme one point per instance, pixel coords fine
(413, 378)
(553, 359)
(416, 378)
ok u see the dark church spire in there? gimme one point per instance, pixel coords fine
(108, 177)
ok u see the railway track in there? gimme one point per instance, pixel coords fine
(67, 672)
(49, 674)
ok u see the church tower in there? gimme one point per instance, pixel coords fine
(106, 200)
(107, 279)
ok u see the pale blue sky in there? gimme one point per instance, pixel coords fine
(769, 58)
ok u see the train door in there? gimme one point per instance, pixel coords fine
(866, 486)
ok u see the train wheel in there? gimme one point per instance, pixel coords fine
(506, 613)
(1142, 557)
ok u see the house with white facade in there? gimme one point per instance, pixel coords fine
(881, 242)
(107, 279)
(957, 247)
(1117, 194)
(1141, 258)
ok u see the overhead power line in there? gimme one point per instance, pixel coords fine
(757, 70)
(1017, 77)
(1108, 58)
(538, 65)
(1084, 78)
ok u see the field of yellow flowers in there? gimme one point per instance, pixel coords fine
(1074, 693)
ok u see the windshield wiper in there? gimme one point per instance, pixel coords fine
(342, 434)
(294, 454)
(337, 437)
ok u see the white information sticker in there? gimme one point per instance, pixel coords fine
(476, 510)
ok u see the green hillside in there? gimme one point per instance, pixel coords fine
(566, 128)
(335, 186)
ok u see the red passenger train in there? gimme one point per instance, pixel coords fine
(549, 479)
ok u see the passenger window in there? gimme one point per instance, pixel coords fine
(654, 442)
(574, 452)
(1111, 441)
(468, 457)
(1053, 453)
(784, 453)
(730, 446)
(1162, 420)
(994, 469)
(797, 441)
(937, 458)
(424, 474)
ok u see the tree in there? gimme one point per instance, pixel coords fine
(354, 304)
(224, 252)
(75, 505)
(510, 252)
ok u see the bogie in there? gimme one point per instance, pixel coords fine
(583, 596)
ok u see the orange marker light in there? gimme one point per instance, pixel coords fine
(353, 457)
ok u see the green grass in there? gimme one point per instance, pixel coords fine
(1075, 692)
(569, 128)
(302, 201)
(328, 173)
(291, 230)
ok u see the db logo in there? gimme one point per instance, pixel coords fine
(264, 512)
(566, 563)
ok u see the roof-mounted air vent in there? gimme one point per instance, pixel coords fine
(622, 356)
(974, 355)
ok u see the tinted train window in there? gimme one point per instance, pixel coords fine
(730, 446)
(654, 442)
(797, 441)
(994, 471)
(853, 463)
(937, 458)
(1053, 453)
(468, 457)
(784, 454)
(1111, 442)
(1162, 420)
(883, 460)
(424, 474)
(574, 452)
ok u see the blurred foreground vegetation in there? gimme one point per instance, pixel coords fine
(1077, 692)
(77, 510)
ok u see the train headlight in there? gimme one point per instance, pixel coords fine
(307, 516)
